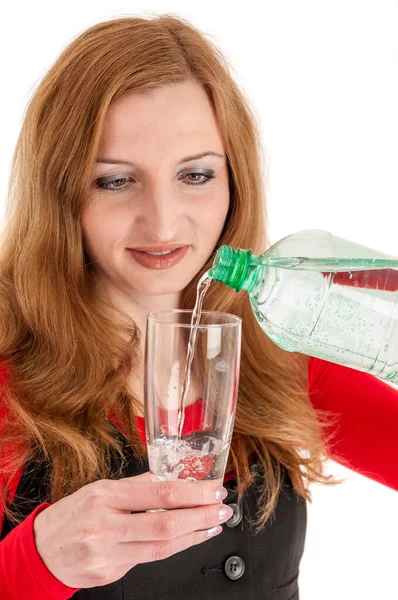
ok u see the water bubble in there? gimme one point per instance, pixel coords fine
(177, 470)
(222, 366)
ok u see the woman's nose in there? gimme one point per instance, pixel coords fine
(160, 218)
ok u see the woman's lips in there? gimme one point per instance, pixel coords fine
(158, 262)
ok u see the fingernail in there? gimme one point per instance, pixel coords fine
(225, 512)
(214, 531)
(221, 493)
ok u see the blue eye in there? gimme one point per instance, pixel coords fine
(104, 184)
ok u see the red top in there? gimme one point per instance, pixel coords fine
(366, 441)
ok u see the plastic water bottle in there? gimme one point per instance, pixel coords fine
(323, 296)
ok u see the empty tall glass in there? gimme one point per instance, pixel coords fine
(208, 417)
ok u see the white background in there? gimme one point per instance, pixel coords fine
(322, 80)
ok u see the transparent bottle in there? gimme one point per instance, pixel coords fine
(323, 296)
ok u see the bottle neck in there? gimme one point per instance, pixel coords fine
(237, 268)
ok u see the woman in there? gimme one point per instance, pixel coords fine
(138, 140)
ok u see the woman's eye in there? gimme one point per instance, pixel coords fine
(209, 175)
(104, 184)
(117, 185)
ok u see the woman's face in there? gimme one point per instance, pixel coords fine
(146, 193)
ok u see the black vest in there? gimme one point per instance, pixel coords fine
(235, 564)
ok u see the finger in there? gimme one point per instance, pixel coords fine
(133, 553)
(133, 494)
(147, 476)
(143, 527)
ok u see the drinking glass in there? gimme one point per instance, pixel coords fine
(201, 451)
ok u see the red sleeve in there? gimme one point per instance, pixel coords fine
(366, 429)
(22, 569)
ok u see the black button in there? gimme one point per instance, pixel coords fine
(234, 567)
(236, 517)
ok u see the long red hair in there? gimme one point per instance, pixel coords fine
(68, 360)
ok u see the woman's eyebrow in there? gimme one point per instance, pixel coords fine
(112, 161)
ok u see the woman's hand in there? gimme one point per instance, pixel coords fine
(90, 538)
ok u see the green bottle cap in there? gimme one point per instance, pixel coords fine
(231, 266)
